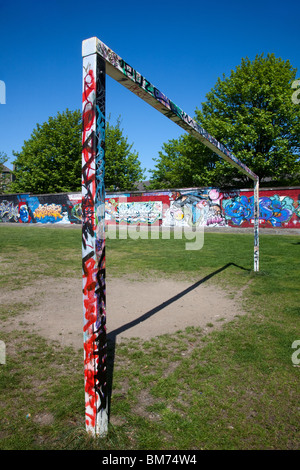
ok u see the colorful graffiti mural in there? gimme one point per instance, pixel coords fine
(210, 207)
(134, 212)
(195, 208)
(56, 208)
(274, 211)
(8, 211)
(48, 213)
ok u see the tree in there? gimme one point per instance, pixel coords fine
(122, 166)
(253, 115)
(182, 162)
(4, 178)
(251, 112)
(50, 161)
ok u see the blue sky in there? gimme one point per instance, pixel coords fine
(180, 47)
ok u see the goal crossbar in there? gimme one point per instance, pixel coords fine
(131, 79)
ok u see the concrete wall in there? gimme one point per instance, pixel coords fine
(279, 207)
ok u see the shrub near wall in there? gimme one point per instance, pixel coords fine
(279, 207)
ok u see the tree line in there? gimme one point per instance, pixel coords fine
(50, 161)
(251, 112)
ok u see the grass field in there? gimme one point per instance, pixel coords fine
(235, 388)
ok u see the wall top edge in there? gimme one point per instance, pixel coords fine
(115, 193)
(28, 193)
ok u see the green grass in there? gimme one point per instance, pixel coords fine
(29, 253)
(234, 388)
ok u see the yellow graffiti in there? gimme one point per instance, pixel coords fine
(48, 210)
(178, 215)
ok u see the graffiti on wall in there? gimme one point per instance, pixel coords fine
(8, 212)
(138, 212)
(209, 207)
(212, 207)
(195, 208)
(24, 213)
(273, 211)
(48, 213)
(26, 209)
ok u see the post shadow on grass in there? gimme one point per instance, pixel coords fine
(111, 336)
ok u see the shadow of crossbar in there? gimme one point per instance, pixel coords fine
(111, 337)
(113, 334)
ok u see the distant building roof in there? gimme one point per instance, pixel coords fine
(140, 186)
(5, 169)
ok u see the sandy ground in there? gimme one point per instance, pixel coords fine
(134, 308)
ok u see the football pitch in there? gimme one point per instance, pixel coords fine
(203, 352)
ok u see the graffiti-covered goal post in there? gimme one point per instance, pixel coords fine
(99, 60)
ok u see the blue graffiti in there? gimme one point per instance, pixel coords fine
(238, 209)
(24, 215)
(273, 210)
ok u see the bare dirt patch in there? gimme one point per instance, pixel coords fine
(143, 309)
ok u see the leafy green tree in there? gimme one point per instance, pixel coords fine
(50, 161)
(4, 178)
(252, 113)
(122, 166)
(183, 162)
